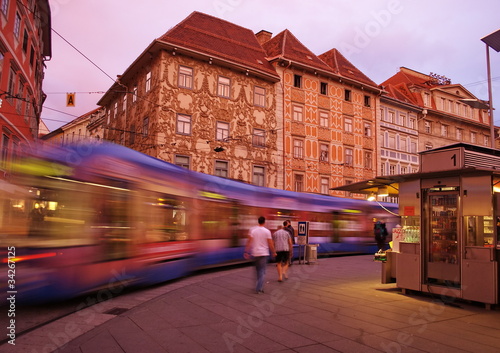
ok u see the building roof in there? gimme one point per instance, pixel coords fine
(286, 46)
(221, 39)
(344, 67)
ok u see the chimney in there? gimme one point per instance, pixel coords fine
(263, 36)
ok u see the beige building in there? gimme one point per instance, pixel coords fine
(444, 117)
(86, 128)
(201, 96)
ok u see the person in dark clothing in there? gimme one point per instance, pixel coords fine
(381, 233)
(290, 230)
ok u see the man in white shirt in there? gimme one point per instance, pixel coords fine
(259, 244)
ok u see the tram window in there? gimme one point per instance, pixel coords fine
(215, 220)
(165, 219)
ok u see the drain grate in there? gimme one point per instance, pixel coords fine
(116, 311)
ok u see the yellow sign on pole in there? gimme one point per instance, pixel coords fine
(70, 99)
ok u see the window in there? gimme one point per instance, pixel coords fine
(299, 182)
(368, 130)
(473, 137)
(411, 123)
(17, 25)
(413, 146)
(391, 117)
(486, 141)
(185, 77)
(25, 41)
(223, 87)
(427, 99)
(298, 113)
(145, 127)
(368, 160)
(323, 88)
(32, 56)
(392, 169)
(115, 110)
(259, 96)
(323, 119)
(183, 124)
(5, 149)
(12, 78)
(427, 127)
(348, 125)
(258, 176)
(402, 144)
(298, 148)
(459, 134)
(347, 95)
(297, 81)
(444, 130)
(5, 7)
(124, 103)
(148, 81)
(348, 157)
(324, 186)
(134, 94)
(368, 101)
(259, 138)
(222, 168)
(392, 141)
(182, 161)
(222, 131)
(323, 152)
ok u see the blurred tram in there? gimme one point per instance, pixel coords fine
(80, 218)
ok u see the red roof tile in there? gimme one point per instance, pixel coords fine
(344, 67)
(219, 38)
(287, 46)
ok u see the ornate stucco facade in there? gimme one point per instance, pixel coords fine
(202, 110)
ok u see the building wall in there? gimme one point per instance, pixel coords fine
(398, 139)
(167, 103)
(313, 166)
(24, 43)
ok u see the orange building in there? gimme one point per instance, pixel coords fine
(327, 109)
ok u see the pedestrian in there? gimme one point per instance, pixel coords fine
(260, 246)
(290, 230)
(380, 232)
(283, 245)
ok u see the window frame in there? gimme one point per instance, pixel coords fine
(298, 148)
(185, 77)
(259, 175)
(223, 87)
(259, 96)
(259, 138)
(218, 169)
(222, 130)
(183, 121)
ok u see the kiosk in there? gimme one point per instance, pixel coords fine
(450, 218)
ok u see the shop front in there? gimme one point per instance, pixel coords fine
(449, 214)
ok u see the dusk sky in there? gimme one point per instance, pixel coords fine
(377, 36)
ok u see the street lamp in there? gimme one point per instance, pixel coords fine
(492, 40)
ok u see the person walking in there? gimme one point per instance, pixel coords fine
(260, 246)
(283, 245)
(290, 230)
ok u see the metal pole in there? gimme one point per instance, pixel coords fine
(490, 98)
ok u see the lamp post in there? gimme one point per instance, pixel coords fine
(491, 40)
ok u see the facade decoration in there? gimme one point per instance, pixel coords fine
(203, 98)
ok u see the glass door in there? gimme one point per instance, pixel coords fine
(443, 250)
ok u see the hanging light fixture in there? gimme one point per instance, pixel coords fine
(372, 196)
(383, 191)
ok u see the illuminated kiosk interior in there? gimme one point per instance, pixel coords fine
(450, 218)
